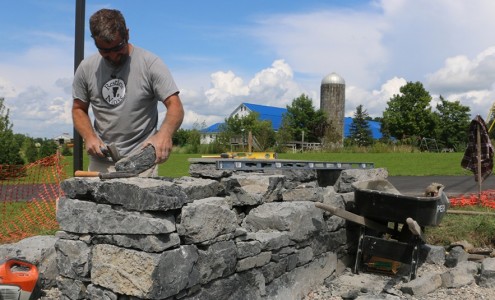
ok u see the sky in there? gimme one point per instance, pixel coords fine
(223, 53)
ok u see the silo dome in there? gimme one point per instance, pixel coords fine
(332, 78)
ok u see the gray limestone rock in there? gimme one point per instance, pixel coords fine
(142, 194)
(71, 289)
(138, 193)
(274, 269)
(422, 285)
(218, 260)
(456, 255)
(94, 292)
(73, 259)
(148, 243)
(304, 256)
(206, 220)
(144, 275)
(349, 176)
(248, 248)
(207, 170)
(487, 274)
(88, 217)
(249, 285)
(298, 283)
(138, 161)
(272, 240)
(253, 261)
(303, 193)
(434, 254)
(299, 219)
(83, 188)
(294, 177)
(253, 188)
(199, 188)
(462, 275)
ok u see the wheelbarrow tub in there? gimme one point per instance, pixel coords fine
(380, 200)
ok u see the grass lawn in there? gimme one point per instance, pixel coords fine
(397, 164)
(476, 229)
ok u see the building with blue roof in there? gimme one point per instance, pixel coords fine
(274, 115)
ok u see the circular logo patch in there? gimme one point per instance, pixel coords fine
(114, 91)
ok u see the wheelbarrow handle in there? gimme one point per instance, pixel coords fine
(355, 218)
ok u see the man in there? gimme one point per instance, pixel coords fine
(123, 84)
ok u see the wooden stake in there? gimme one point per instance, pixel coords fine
(478, 155)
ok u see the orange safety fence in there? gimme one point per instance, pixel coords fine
(28, 196)
(485, 199)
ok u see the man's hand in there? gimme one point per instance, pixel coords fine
(162, 140)
(163, 147)
(82, 123)
(94, 147)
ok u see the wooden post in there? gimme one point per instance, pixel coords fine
(250, 141)
(302, 142)
(478, 155)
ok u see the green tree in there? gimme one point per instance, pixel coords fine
(302, 117)
(409, 115)
(360, 132)
(180, 137)
(283, 136)
(264, 134)
(9, 145)
(453, 123)
(30, 150)
(48, 148)
(239, 127)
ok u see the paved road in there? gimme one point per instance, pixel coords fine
(454, 185)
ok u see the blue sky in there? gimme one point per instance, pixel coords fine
(223, 53)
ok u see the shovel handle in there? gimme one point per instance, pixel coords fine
(79, 173)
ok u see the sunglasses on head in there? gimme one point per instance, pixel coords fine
(112, 49)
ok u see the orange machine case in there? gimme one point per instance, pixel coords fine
(25, 279)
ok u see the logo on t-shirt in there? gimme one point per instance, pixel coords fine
(114, 91)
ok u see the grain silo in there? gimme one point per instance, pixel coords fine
(332, 101)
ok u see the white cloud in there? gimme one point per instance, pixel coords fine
(7, 89)
(460, 73)
(226, 85)
(376, 48)
(274, 86)
(375, 101)
(37, 86)
(321, 42)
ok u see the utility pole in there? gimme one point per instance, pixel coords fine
(78, 57)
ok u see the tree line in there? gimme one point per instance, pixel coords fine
(407, 119)
(18, 149)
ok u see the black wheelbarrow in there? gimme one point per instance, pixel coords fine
(392, 224)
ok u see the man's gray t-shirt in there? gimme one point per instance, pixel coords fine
(124, 99)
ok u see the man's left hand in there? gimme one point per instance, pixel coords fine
(163, 148)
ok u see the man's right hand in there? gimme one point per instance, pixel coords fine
(83, 125)
(94, 147)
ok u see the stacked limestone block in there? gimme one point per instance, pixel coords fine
(227, 236)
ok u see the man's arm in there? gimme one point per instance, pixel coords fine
(162, 140)
(82, 123)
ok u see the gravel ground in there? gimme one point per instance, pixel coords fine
(375, 286)
(369, 286)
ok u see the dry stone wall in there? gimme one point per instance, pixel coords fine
(216, 235)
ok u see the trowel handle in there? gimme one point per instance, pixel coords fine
(79, 173)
